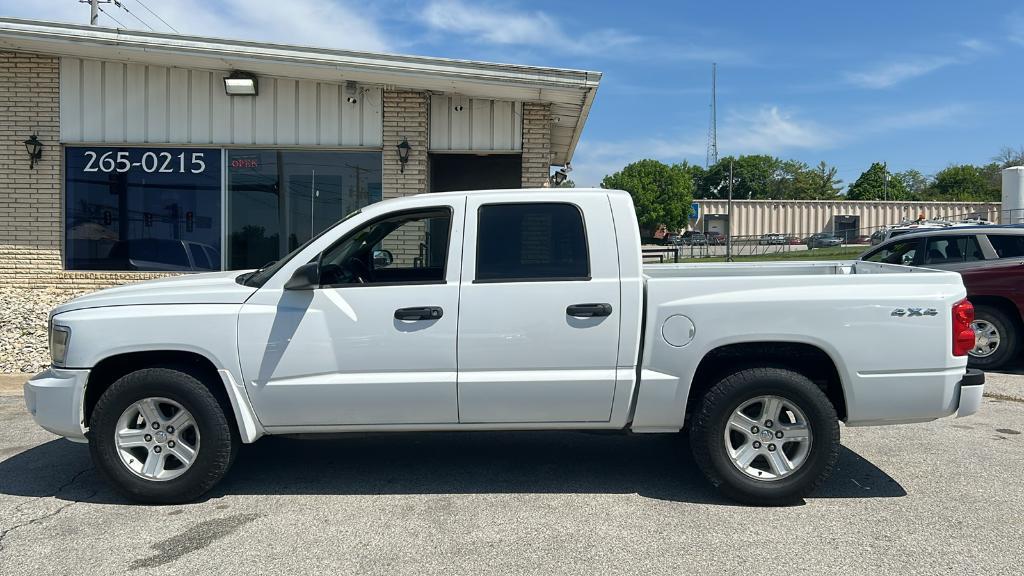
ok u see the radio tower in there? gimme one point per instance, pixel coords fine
(712, 156)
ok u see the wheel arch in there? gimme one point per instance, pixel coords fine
(807, 359)
(110, 369)
(1002, 304)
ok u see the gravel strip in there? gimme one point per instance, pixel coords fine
(23, 346)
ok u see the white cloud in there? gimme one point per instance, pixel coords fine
(306, 22)
(892, 73)
(977, 45)
(492, 25)
(765, 130)
(770, 130)
(1015, 24)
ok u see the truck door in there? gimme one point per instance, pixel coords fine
(539, 310)
(375, 342)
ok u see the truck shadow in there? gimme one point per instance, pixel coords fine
(657, 466)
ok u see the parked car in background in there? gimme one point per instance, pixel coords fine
(694, 238)
(878, 236)
(768, 239)
(991, 261)
(715, 238)
(861, 239)
(671, 239)
(823, 240)
(794, 240)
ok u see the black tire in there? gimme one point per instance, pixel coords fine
(710, 418)
(218, 446)
(1009, 340)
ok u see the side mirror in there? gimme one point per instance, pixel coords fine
(306, 277)
(382, 258)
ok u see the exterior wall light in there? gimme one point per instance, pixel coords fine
(35, 150)
(240, 83)
(351, 92)
(558, 177)
(403, 154)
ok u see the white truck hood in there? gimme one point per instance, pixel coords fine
(207, 288)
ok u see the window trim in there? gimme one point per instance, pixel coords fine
(381, 218)
(586, 246)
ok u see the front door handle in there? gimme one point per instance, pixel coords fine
(589, 310)
(419, 313)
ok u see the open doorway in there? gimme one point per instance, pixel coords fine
(452, 172)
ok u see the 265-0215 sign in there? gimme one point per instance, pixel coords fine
(162, 161)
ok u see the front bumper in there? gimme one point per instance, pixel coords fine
(55, 400)
(972, 387)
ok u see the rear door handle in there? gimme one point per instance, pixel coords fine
(589, 310)
(419, 313)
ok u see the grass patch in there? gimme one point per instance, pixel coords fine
(841, 253)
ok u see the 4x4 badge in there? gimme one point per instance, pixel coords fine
(908, 312)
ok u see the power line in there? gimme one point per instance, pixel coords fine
(157, 16)
(107, 14)
(125, 8)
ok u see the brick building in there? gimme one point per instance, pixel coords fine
(151, 165)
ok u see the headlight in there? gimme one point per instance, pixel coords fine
(59, 338)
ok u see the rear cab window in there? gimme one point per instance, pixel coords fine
(531, 242)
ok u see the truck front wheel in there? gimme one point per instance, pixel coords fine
(765, 436)
(160, 436)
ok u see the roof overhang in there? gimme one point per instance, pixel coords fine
(570, 92)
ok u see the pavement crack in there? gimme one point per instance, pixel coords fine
(6, 531)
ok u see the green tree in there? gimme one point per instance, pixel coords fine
(662, 194)
(754, 177)
(916, 183)
(818, 183)
(871, 185)
(965, 182)
(567, 183)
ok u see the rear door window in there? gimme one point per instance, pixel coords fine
(531, 242)
(1007, 246)
(952, 250)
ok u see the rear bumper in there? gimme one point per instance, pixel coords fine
(972, 387)
(54, 399)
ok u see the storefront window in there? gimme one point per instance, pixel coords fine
(278, 199)
(155, 209)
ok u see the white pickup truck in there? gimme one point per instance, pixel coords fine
(504, 310)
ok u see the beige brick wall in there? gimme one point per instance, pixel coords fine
(536, 144)
(406, 116)
(30, 198)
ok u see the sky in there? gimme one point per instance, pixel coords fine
(917, 84)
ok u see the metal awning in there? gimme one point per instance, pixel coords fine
(570, 92)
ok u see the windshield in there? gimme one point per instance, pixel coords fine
(258, 278)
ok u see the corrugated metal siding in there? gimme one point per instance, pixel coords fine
(102, 101)
(804, 217)
(480, 125)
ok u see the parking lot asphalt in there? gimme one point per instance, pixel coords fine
(938, 498)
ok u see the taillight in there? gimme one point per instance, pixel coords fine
(963, 334)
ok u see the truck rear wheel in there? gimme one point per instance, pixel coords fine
(765, 436)
(160, 436)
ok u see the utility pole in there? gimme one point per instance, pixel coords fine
(94, 10)
(728, 226)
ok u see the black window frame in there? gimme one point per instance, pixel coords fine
(586, 246)
(995, 250)
(388, 216)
